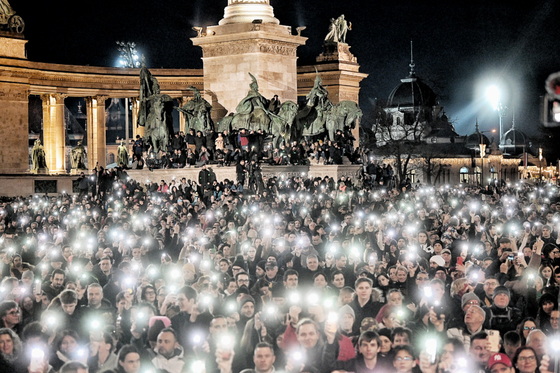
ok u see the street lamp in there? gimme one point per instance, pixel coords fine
(128, 58)
(493, 95)
(482, 152)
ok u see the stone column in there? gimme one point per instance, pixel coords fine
(96, 131)
(136, 129)
(182, 101)
(54, 132)
(14, 128)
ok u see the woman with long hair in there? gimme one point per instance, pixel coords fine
(11, 350)
(67, 349)
(547, 304)
(526, 326)
(546, 271)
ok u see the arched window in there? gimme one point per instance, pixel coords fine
(464, 175)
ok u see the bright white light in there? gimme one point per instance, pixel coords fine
(493, 95)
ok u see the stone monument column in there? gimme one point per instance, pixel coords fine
(249, 39)
(96, 131)
(54, 132)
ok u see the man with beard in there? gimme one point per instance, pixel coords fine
(56, 285)
(170, 354)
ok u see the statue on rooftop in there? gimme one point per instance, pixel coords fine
(78, 156)
(9, 19)
(197, 113)
(337, 30)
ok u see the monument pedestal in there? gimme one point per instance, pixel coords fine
(340, 73)
(248, 40)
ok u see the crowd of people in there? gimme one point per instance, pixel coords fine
(195, 148)
(303, 275)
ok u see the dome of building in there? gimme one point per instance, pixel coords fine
(412, 91)
(514, 141)
(473, 140)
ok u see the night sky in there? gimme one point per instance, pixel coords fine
(460, 47)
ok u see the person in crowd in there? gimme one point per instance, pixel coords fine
(299, 269)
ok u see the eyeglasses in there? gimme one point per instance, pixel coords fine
(529, 327)
(404, 358)
(526, 358)
(16, 312)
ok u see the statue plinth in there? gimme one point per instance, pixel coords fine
(41, 171)
(12, 45)
(230, 51)
(336, 52)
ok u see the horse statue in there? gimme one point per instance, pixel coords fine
(342, 116)
(224, 124)
(159, 121)
(257, 120)
(252, 112)
(311, 119)
(197, 113)
(282, 123)
(155, 111)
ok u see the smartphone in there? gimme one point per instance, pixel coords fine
(37, 357)
(37, 287)
(494, 339)
(460, 261)
(431, 350)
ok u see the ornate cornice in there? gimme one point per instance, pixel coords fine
(44, 81)
(249, 46)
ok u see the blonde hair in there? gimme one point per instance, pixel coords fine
(457, 286)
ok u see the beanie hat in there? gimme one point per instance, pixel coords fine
(346, 309)
(154, 330)
(438, 259)
(467, 297)
(238, 262)
(262, 264)
(501, 290)
(165, 319)
(278, 291)
(246, 298)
